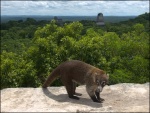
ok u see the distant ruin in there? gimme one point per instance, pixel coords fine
(100, 19)
(58, 20)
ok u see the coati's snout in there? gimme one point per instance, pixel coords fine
(100, 85)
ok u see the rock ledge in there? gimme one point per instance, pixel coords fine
(125, 97)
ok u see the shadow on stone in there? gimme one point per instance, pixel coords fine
(65, 98)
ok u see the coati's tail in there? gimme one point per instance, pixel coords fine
(55, 74)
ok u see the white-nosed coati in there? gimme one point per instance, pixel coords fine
(75, 71)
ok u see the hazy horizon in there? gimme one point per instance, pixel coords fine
(65, 18)
(76, 15)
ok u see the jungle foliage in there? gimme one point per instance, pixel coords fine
(30, 51)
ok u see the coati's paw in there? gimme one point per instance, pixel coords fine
(98, 101)
(95, 99)
(78, 94)
(74, 97)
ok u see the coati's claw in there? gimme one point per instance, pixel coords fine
(98, 101)
(101, 99)
(74, 97)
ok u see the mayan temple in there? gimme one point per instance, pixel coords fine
(100, 19)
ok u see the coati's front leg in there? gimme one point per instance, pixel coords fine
(91, 93)
(98, 96)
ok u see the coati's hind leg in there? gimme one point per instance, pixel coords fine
(69, 88)
(74, 88)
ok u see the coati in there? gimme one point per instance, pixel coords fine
(74, 71)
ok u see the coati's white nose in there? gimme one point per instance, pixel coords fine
(99, 89)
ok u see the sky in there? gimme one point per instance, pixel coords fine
(74, 8)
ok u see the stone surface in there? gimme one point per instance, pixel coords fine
(123, 97)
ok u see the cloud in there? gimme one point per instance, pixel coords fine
(74, 7)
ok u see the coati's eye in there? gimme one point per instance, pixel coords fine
(103, 83)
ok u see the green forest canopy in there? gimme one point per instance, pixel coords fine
(31, 49)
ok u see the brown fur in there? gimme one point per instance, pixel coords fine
(72, 72)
